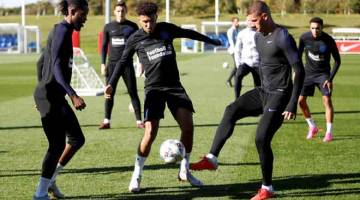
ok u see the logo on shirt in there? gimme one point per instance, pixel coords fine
(159, 52)
(269, 42)
(315, 57)
(118, 41)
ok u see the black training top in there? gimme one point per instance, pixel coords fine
(318, 52)
(278, 53)
(115, 35)
(56, 69)
(157, 54)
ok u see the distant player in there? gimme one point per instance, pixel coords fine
(116, 34)
(58, 119)
(153, 44)
(232, 33)
(276, 99)
(246, 57)
(318, 47)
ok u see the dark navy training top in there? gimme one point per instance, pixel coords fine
(56, 70)
(157, 54)
(318, 52)
(115, 36)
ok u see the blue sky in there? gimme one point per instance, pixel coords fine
(14, 3)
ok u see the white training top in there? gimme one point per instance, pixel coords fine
(245, 48)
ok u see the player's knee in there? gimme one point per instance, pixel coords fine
(77, 143)
(229, 114)
(56, 149)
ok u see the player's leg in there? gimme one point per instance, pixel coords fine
(55, 134)
(109, 102)
(308, 90)
(154, 106)
(329, 115)
(76, 140)
(130, 83)
(248, 104)
(232, 74)
(182, 109)
(256, 76)
(241, 72)
(269, 123)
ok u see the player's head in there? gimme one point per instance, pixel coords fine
(120, 10)
(75, 12)
(260, 16)
(235, 21)
(316, 26)
(249, 23)
(147, 12)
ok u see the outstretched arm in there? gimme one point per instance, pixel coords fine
(191, 34)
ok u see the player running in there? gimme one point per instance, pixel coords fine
(116, 34)
(153, 44)
(57, 117)
(276, 99)
(318, 47)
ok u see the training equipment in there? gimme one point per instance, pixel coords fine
(85, 80)
(172, 151)
(204, 164)
(312, 133)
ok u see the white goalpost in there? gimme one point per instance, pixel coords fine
(85, 80)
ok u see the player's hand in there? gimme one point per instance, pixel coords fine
(103, 69)
(78, 102)
(288, 115)
(216, 42)
(108, 91)
(328, 85)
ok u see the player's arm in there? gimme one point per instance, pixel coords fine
(104, 49)
(337, 60)
(125, 61)
(40, 66)
(288, 45)
(238, 48)
(179, 32)
(56, 43)
(229, 35)
(301, 47)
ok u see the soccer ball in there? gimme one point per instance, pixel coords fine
(172, 151)
(225, 65)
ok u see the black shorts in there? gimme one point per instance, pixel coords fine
(313, 80)
(61, 122)
(155, 100)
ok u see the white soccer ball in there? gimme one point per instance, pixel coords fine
(172, 151)
(225, 65)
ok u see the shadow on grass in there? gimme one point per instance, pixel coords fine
(305, 186)
(103, 170)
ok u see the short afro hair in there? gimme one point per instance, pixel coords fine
(147, 8)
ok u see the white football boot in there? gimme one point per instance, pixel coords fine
(185, 175)
(134, 185)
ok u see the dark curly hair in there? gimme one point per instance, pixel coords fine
(77, 4)
(316, 20)
(147, 8)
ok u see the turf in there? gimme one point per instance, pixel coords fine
(102, 169)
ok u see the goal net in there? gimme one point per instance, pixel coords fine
(85, 80)
(217, 30)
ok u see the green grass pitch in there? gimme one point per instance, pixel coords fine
(102, 168)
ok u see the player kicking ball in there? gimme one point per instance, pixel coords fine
(153, 44)
(276, 99)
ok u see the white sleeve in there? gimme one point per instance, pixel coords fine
(237, 49)
(230, 39)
